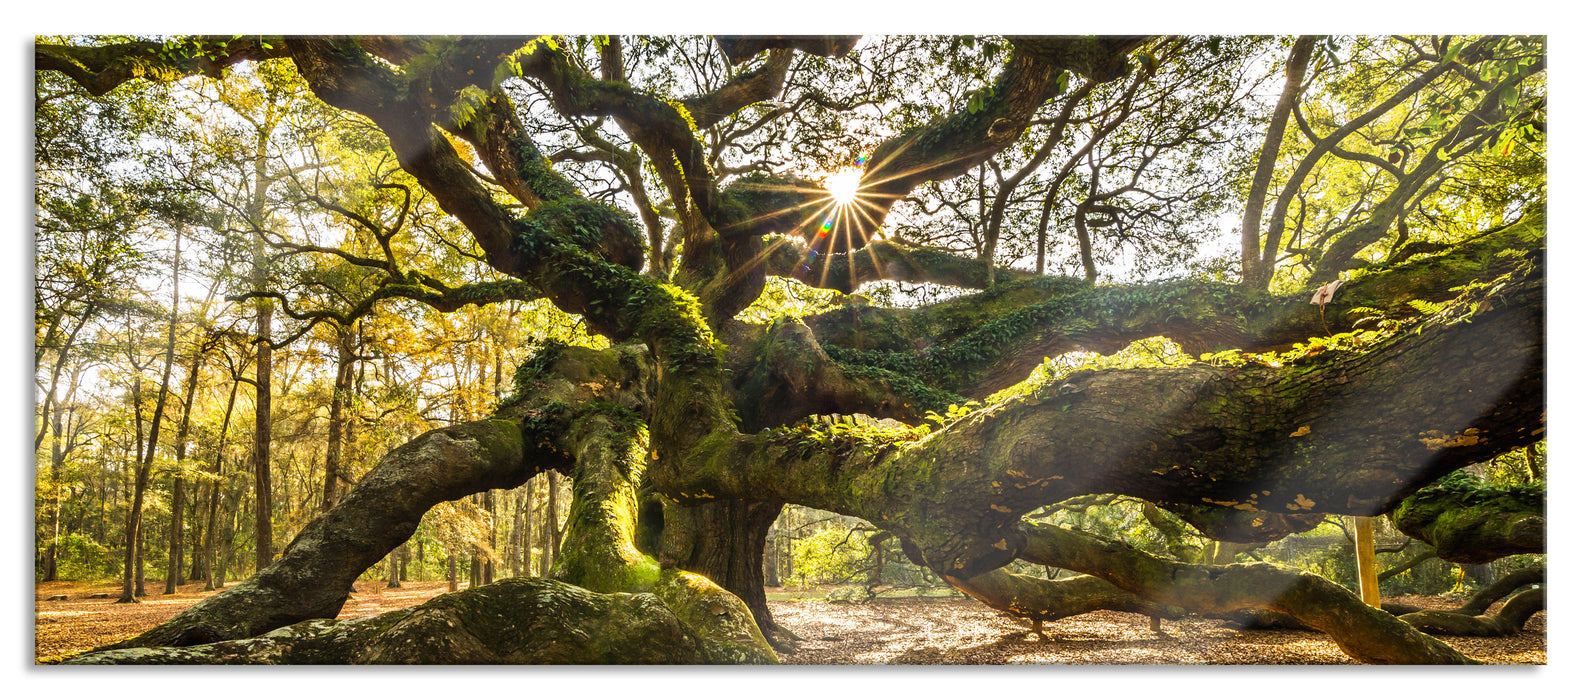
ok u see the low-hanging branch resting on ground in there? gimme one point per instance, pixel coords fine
(314, 573)
(601, 442)
(1508, 621)
(1494, 593)
(1365, 633)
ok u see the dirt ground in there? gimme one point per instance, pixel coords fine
(908, 631)
(935, 631)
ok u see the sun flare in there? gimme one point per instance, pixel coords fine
(842, 186)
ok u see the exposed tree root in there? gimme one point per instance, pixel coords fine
(1508, 621)
(1471, 619)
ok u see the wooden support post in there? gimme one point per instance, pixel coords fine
(1367, 571)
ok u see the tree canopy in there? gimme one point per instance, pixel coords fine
(938, 283)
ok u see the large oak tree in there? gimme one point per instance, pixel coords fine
(687, 436)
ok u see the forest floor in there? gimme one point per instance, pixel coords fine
(910, 630)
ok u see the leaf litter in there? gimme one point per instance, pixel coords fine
(898, 631)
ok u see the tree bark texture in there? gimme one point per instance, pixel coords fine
(516, 621)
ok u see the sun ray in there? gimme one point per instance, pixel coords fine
(843, 185)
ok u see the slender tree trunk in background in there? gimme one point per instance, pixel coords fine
(344, 361)
(393, 568)
(57, 460)
(178, 506)
(878, 561)
(450, 570)
(406, 558)
(552, 522)
(196, 534)
(1253, 267)
(1533, 470)
(178, 503)
(788, 543)
(530, 493)
(62, 441)
(211, 541)
(771, 558)
(263, 536)
(209, 544)
(142, 558)
(1043, 227)
(132, 585)
(474, 567)
(1090, 271)
(517, 555)
(1367, 570)
(230, 507)
(543, 535)
(256, 207)
(488, 565)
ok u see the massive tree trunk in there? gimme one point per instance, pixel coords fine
(725, 542)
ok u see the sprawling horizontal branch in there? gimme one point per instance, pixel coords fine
(99, 69)
(742, 48)
(879, 260)
(1365, 633)
(757, 85)
(1043, 600)
(1480, 602)
(793, 378)
(313, 574)
(438, 297)
(1469, 523)
(978, 344)
(1343, 432)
